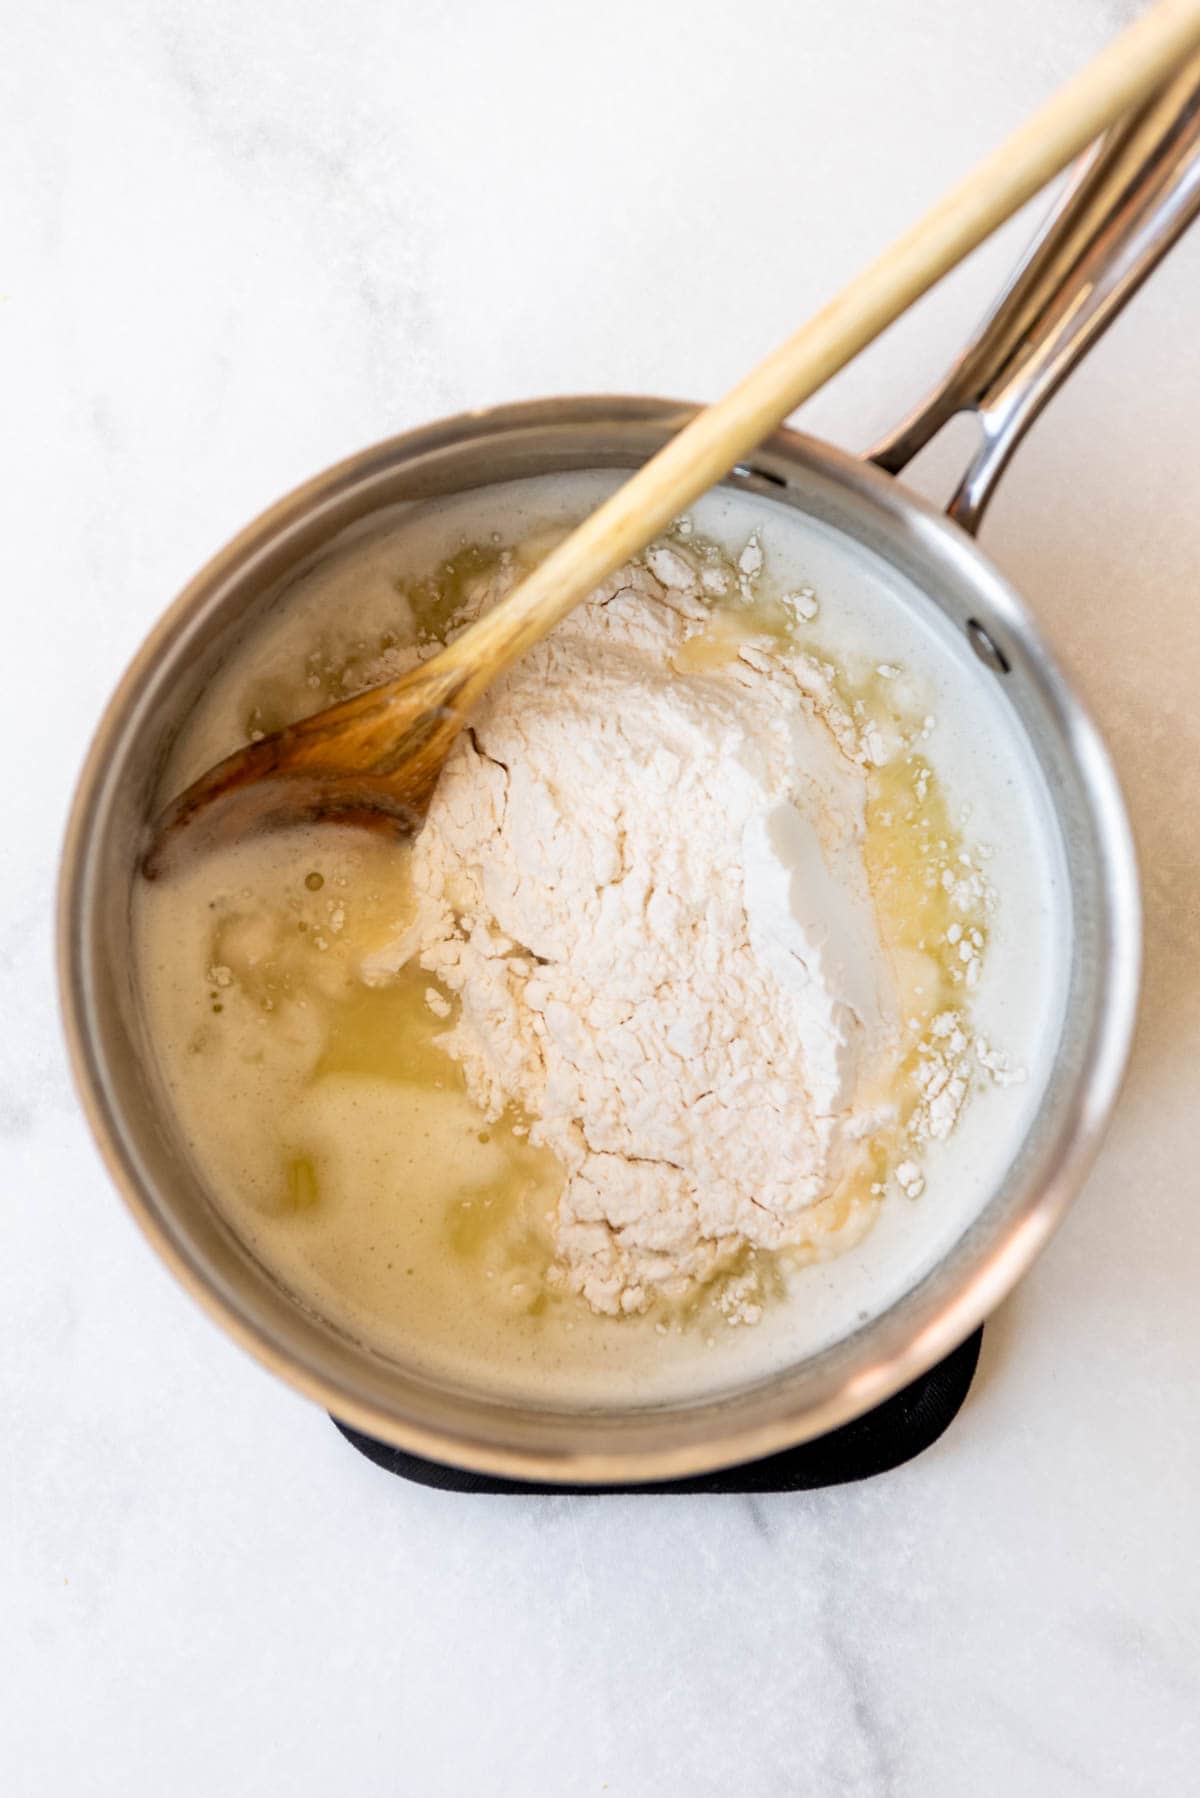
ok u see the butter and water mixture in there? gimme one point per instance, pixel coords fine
(673, 993)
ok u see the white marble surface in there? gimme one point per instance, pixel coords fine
(243, 238)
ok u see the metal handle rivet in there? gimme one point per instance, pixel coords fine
(989, 653)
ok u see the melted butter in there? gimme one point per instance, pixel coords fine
(497, 1228)
(287, 957)
(735, 620)
(388, 1032)
(910, 843)
(436, 599)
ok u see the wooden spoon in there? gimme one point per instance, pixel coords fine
(375, 759)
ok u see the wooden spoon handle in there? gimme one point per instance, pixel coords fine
(707, 448)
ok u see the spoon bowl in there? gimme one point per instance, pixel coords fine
(372, 760)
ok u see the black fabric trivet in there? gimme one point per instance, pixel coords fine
(894, 1432)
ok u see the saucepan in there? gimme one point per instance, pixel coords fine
(1125, 205)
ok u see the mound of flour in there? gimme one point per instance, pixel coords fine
(647, 891)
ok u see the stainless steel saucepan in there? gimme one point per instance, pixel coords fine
(1133, 196)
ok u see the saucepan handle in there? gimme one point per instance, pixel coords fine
(1130, 198)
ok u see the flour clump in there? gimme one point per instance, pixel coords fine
(646, 890)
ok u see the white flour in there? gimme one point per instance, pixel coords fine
(648, 894)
